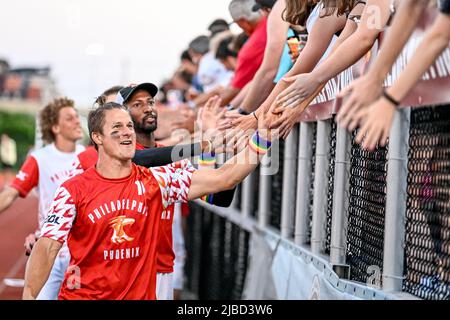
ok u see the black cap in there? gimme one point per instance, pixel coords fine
(260, 4)
(126, 92)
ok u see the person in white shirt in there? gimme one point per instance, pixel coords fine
(47, 169)
(211, 72)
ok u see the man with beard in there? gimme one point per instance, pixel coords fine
(139, 101)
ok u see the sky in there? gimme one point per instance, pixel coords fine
(92, 45)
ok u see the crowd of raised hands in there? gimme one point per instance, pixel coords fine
(342, 33)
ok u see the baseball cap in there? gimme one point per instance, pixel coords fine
(260, 4)
(125, 93)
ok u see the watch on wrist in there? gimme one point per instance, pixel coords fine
(242, 111)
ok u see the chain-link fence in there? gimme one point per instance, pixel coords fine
(366, 210)
(311, 186)
(217, 254)
(218, 249)
(330, 191)
(427, 243)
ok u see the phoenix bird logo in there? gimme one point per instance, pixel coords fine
(117, 224)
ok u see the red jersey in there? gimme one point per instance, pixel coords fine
(250, 56)
(111, 227)
(36, 172)
(141, 147)
(88, 158)
(165, 255)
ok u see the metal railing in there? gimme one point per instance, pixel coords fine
(377, 223)
(373, 235)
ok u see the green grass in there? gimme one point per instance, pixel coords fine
(21, 128)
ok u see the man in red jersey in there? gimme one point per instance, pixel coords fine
(139, 100)
(110, 214)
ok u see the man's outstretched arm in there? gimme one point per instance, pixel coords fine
(234, 170)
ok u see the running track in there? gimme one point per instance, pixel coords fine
(15, 224)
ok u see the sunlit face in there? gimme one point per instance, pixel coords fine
(118, 139)
(68, 126)
(245, 26)
(143, 112)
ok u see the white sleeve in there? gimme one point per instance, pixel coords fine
(60, 217)
(174, 181)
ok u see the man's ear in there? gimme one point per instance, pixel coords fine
(55, 129)
(97, 138)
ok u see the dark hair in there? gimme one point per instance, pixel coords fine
(223, 49)
(96, 118)
(238, 42)
(217, 26)
(185, 76)
(101, 100)
(342, 7)
(186, 56)
(49, 116)
(297, 11)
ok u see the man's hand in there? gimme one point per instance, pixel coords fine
(361, 93)
(30, 240)
(244, 126)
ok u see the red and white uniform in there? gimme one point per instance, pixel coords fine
(111, 227)
(47, 169)
(88, 158)
(165, 250)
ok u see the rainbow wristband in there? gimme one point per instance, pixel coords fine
(207, 160)
(208, 198)
(258, 144)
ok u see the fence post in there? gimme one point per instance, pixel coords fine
(397, 174)
(248, 192)
(340, 203)
(264, 192)
(303, 183)
(320, 183)
(289, 180)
